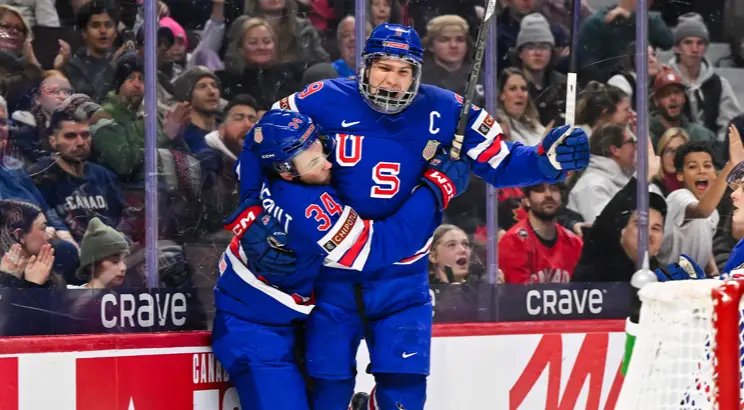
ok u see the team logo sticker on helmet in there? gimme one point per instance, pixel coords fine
(430, 149)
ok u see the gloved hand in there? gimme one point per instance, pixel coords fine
(446, 177)
(685, 269)
(264, 243)
(556, 153)
(242, 218)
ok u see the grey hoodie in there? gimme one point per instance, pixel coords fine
(601, 180)
(728, 105)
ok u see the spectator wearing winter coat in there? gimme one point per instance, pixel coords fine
(670, 101)
(710, 98)
(611, 165)
(605, 36)
(535, 54)
(610, 248)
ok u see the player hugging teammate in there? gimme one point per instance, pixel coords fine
(341, 256)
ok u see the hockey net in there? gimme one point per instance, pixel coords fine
(687, 352)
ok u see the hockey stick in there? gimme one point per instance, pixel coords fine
(570, 82)
(480, 49)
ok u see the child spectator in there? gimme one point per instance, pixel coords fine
(102, 257)
(27, 256)
(517, 114)
(667, 148)
(537, 249)
(692, 217)
(449, 260)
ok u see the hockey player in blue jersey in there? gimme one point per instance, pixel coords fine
(387, 126)
(258, 310)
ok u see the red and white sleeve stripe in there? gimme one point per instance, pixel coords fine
(349, 241)
(492, 149)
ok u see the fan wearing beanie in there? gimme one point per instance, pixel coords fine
(102, 257)
(711, 98)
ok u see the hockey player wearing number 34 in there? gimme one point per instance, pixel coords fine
(258, 310)
(387, 127)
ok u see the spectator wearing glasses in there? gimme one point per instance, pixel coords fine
(30, 141)
(19, 68)
(536, 55)
(612, 163)
(667, 148)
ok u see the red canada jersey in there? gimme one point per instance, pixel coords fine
(525, 258)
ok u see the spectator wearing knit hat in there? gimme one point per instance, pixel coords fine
(102, 257)
(604, 37)
(119, 141)
(447, 61)
(536, 55)
(670, 102)
(710, 97)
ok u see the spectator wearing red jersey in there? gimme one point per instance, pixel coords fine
(537, 249)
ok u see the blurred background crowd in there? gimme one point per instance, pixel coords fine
(72, 132)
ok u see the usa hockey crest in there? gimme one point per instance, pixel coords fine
(430, 149)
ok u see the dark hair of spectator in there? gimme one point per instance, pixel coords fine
(597, 99)
(240, 99)
(606, 136)
(15, 215)
(690, 147)
(90, 9)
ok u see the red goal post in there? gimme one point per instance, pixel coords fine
(688, 347)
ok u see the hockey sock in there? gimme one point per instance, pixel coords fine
(331, 394)
(399, 392)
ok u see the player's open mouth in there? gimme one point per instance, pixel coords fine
(701, 184)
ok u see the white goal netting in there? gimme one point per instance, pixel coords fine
(675, 359)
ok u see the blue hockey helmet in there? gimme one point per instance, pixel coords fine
(279, 136)
(391, 41)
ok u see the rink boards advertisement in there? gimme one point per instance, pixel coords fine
(517, 365)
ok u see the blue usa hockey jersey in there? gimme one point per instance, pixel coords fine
(320, 229)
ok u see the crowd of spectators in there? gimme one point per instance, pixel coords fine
(72, 135)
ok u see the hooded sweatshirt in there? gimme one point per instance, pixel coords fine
(601, 180)
(715, 115)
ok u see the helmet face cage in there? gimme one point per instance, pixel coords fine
(388, 103)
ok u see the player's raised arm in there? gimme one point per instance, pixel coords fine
(504, 163)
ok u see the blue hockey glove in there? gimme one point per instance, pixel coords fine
(685, 269)
(563, 149)
(265, 246)
(446, 177)
(242, 218)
